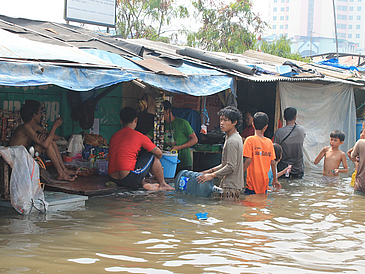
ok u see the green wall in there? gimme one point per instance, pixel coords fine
(55, 99)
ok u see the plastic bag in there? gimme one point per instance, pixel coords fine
(25, 188)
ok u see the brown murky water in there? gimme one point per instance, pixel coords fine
(308, 227)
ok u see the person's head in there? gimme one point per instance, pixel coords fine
(290, 114)
(362, 134)
(128, 115)
(249, 116)
(278, 152)
(260, 121)
(30, 109)
(336, 138)
(230, 117)
(167, 111)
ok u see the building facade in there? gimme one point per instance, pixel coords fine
(314, 19)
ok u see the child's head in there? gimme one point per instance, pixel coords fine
(232, 114)
(260, 120)
(278, 152)
(336, 138)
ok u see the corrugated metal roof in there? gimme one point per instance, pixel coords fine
(63, 34)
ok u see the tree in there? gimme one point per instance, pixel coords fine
(147, 18)
(281, 47)
(229, 28)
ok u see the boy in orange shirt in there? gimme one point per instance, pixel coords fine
(259, 153)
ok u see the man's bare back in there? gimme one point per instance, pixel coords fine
(20, 137)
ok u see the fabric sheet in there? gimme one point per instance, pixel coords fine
(321, 109)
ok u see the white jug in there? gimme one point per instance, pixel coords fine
(75, 145)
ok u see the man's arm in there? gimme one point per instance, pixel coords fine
(349, 155)
(29, 131)
(192, 141)
(157, 152)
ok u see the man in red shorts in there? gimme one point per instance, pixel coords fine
(125, 168)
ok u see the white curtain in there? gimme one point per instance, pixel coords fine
(321, 108)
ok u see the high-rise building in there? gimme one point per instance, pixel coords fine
(313, 21)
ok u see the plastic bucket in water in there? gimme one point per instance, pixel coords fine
(169, 163)
(358, 128)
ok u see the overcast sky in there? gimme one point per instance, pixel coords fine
(53, 10)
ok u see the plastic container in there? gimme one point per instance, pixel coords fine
(169, 163)
(75, 145)
(102, 167)
(187, 182)
(86, 168)
(358, 128)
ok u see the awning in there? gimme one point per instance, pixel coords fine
(198, 81)
(19, 74)
(31, 63)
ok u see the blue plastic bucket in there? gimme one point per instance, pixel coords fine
(358, 128)
(169, 163)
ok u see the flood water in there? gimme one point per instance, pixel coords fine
(308, 227)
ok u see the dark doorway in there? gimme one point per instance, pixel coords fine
(261, 96)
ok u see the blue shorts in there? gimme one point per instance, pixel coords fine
(134, 178)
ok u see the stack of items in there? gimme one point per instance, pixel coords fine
(96, 151)
(158, 125)
(9, 121)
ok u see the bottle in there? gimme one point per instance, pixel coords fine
(287, 174)
(187, 182)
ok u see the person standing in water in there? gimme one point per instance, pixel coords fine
(260, 155)
(291, 138)
(231, 167)
(333, 157)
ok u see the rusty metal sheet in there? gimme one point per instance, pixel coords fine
(158, 67)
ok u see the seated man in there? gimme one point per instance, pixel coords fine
(31, 133)
(125, 168)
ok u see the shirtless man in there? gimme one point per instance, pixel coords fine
(333, 157)
(31, 133)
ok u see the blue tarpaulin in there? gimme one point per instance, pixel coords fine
(78, 79)
(333, 62)
(83, 70)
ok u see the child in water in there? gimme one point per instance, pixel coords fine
(278, 154)
(355, 160)
(333, 157)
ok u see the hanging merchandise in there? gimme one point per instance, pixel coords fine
(158, 123)
(205, 118)
(44, 116)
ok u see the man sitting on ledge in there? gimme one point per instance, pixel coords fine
(125, 168)
(31, 133)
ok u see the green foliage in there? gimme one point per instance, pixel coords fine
(147, 18)
(228, 28)
(281, 47)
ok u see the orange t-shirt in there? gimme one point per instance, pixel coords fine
(261, 151)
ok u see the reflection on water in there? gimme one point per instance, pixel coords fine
(308, 227)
